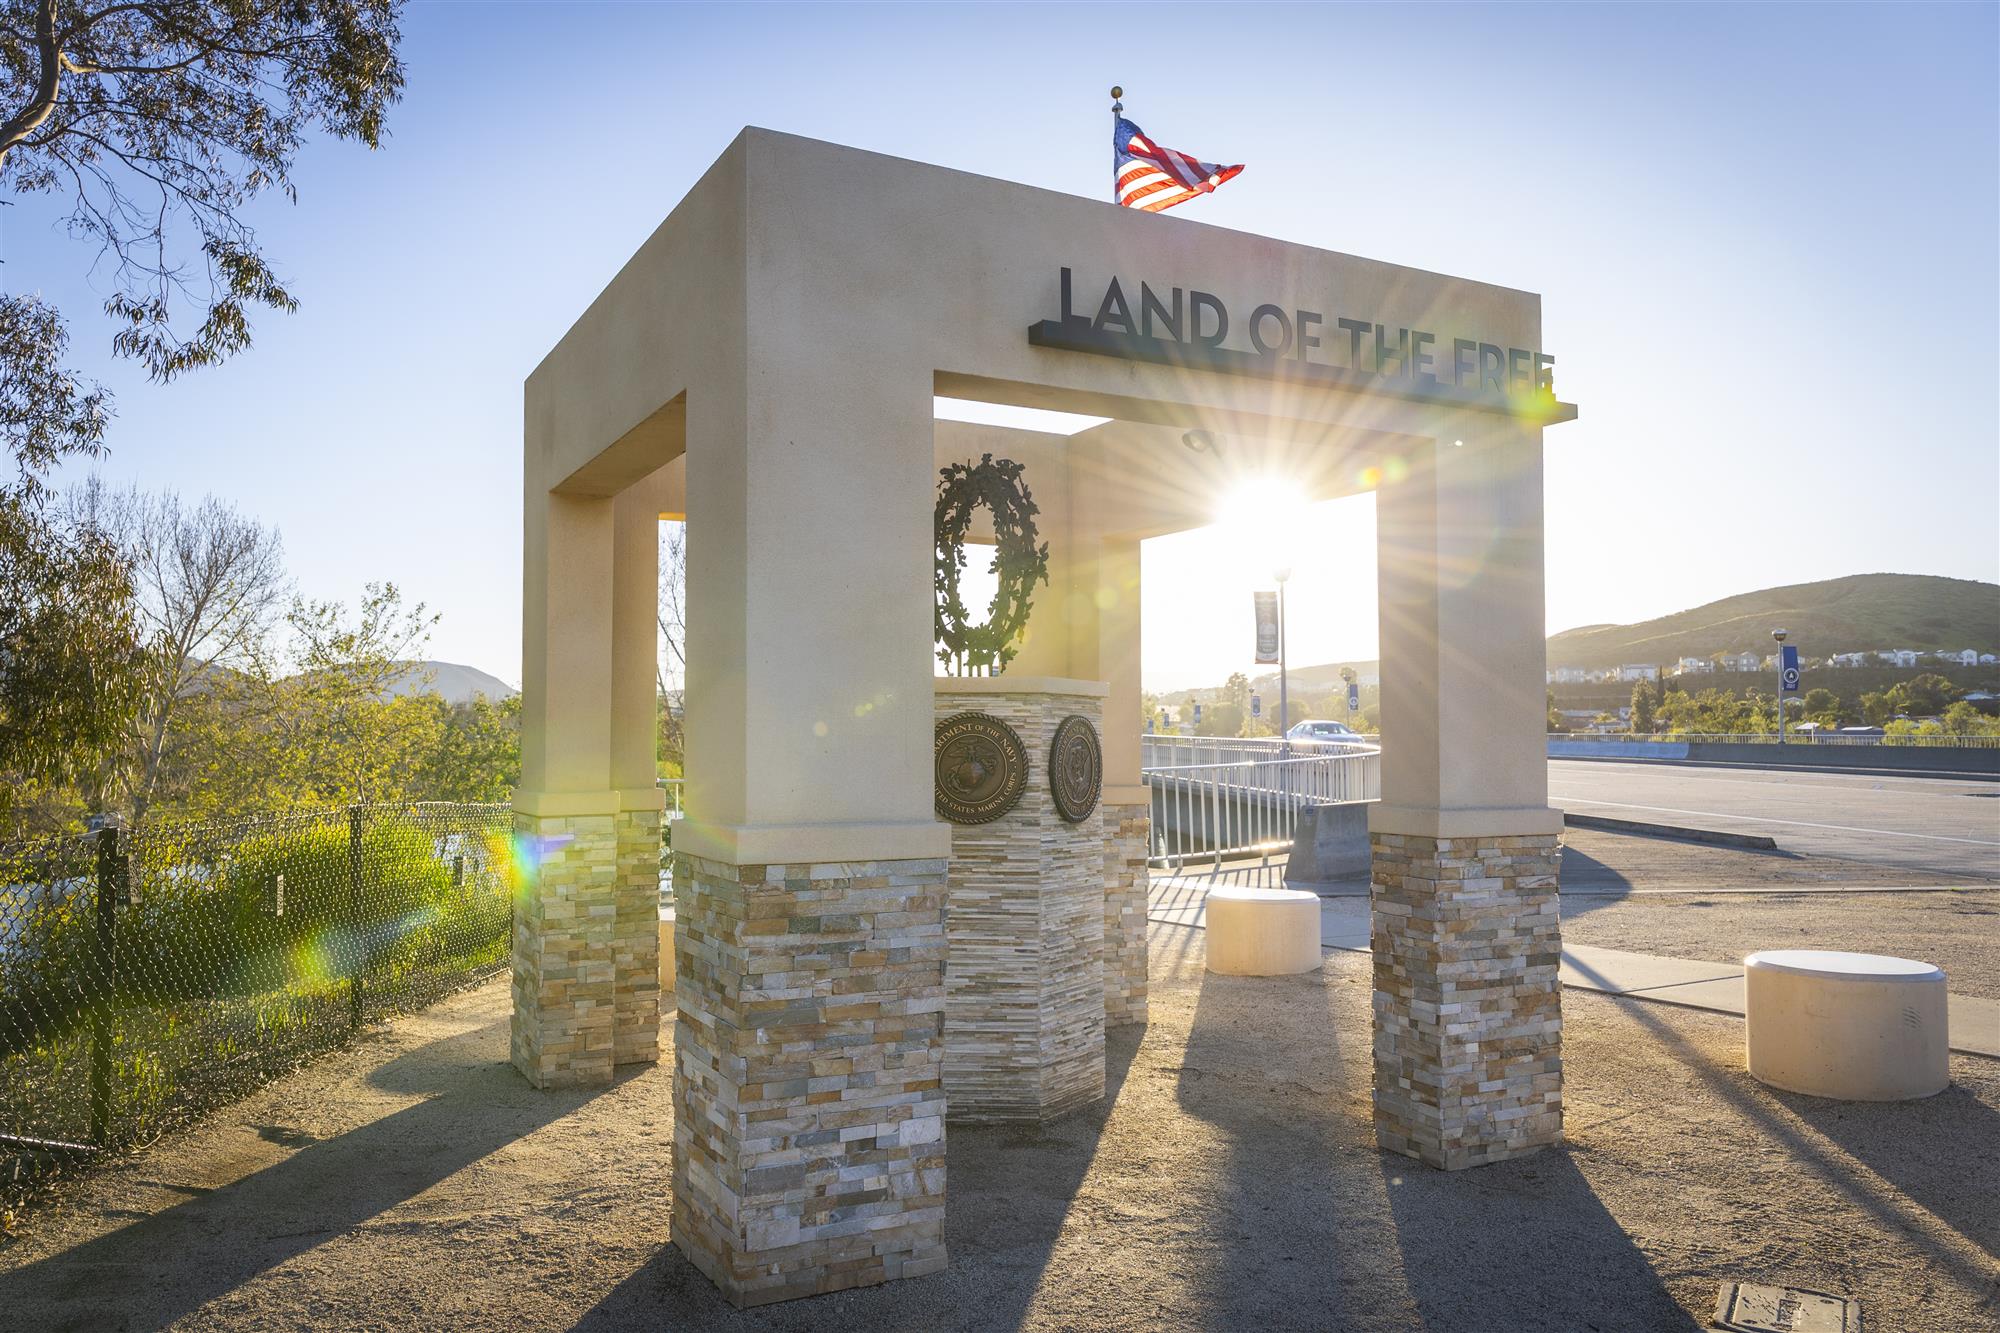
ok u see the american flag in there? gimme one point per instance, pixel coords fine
(1151, 177)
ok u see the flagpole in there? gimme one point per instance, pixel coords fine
(1117, 110)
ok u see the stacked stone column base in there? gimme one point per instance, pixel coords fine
(1468, 1006)
(586, 946)
(1128, 832)
(809, 1134)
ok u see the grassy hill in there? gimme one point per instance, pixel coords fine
(1854, 614)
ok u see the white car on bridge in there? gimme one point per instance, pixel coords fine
(1313, 732)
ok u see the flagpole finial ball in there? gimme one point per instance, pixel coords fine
(1116, 92)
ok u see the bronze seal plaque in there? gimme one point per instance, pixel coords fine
(1076, 768)
(982, 768)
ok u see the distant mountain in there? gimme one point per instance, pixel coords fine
(1860, 613)
(457, 684)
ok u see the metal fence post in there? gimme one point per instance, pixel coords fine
(105, 946)
(354, 909)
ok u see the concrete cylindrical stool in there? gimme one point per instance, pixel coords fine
(1262, 932)
(1856, 1026)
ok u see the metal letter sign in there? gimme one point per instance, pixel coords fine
(1267, 626)
(1788, 668)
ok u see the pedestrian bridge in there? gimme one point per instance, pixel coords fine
(1224, 799)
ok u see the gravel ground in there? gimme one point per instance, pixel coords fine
(1959, 932)
(1229, 1181)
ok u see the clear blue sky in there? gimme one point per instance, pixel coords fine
(1765, 236)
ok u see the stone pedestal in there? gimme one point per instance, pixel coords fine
(586, 946)
(1127, 833)
(809, 1139)
(1468, 1007)
(1024, 983)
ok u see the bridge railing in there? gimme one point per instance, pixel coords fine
(1158, 750)
(1922, 740)
(1234, 808)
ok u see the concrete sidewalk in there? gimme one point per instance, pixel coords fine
(1718, 987)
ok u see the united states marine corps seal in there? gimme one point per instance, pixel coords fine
(1076, 768)
(982, 768)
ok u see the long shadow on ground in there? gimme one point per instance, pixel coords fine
(1956, 1193)
(169, 1264)
(1011, 1189)
(1314, 1227)
(1883, 1136)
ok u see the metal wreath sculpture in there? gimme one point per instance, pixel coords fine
(967, 649)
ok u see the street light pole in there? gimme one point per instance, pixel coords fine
(1283, 573)
(1779, 635)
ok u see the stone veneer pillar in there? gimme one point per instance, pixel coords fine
(808, 1084)
(1024, 982)
(1127, 837)
(1468, 1007)
(586, 946)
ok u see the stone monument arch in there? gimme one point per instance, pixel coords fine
(765, 365)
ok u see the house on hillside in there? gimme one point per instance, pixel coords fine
(1569, 675)
(1989, 659)
(1966, 657)
(1642, 671)
(1693, 666)
(1899, 657)
(1738, 662)
(1848, 660)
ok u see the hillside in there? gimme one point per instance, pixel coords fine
(457, 683)
(1854, 614)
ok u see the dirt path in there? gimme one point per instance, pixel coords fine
(1959, 932)
(1230, 1182)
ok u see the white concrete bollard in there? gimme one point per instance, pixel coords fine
(1262, 932)
(1854, 1026)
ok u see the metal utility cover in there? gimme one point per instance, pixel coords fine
(1752, 1307)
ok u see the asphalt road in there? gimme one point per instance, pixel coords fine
(1943, 826)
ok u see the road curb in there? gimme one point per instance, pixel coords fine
(1713, 838)
(1778, 766)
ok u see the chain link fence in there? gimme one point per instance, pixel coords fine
(146, 977)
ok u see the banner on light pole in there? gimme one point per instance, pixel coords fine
(1267, 626)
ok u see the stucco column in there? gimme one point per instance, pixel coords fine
(1465, 930)
(809, 873)
(1109, 648)
(586, 943)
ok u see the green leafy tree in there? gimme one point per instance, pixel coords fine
(1923, 696)
(1556, 722)
(46, 415)
(1221, 719)
(339, 716)
(69, 653)
(478, 751)
(1645, 704)
(209, 584)
(68, 632)
(157, 122)
(1822, 706)
(1962, 719)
